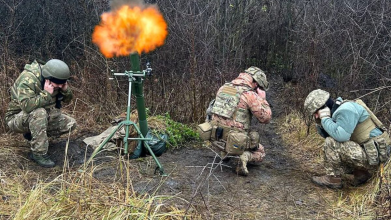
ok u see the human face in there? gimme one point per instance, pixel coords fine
(254, 84)
(57, 86)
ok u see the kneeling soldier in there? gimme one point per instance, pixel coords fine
(34, 110)
(235, 104)
(356, 141)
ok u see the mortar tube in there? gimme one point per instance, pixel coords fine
(138, 92)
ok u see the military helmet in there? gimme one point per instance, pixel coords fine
(56, 69)
(315, 100)
(259, 76)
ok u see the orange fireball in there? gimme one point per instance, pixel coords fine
(128, 30)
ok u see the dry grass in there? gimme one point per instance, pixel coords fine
(74, 193)
(82, 197)
(306, 149)
(370, 201)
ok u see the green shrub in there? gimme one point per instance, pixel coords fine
(178, 133)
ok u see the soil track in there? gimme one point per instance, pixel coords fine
(277, 188)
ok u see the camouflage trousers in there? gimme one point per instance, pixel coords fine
(344, 157)
(250, 156)
(41, 123)
(254, 156)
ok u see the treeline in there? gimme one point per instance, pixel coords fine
(339, 45)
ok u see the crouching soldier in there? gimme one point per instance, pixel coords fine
(34, 110)
(356, 141)
(235, 104)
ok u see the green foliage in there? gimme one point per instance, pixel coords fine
(178, 133)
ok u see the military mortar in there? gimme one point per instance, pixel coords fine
(134, 76)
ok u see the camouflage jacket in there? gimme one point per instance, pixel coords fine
(249, 101)
(27, 93)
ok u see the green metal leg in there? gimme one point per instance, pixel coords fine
(135, 76)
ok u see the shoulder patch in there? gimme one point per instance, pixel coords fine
(229, 90)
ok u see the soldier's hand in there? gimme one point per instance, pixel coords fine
(64, 86)
(48, 86)
(324, 112)
(261, 93)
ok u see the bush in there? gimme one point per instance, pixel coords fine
(178, 133)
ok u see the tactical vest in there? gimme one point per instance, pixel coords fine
(361, 133)
(227, 101)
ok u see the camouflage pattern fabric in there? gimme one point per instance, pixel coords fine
(254, 139)
(315, 100)
(259, 76)
(42, 123)
(257, 106)
(27, 93)
(249, 101)
(227, 100)
(255, 156)
(344, 157)
(31, 109)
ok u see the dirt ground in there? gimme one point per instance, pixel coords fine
(277, 188)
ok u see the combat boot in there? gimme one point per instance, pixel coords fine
(333, 182)
(241, 168)
(360, 177)
(42, 160)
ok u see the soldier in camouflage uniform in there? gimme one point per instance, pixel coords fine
(235, 104)
(355, 142)
(34, 110)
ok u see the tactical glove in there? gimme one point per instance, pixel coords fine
(324, 112)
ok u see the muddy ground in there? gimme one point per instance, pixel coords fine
(277, 188)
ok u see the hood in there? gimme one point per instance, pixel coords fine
(34, 67)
